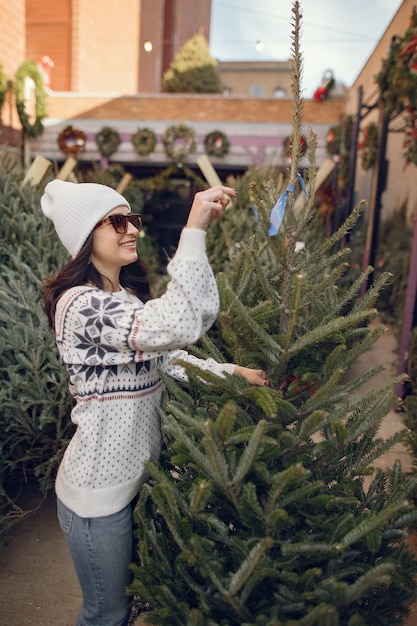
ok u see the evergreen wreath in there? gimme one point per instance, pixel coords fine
(71, 141)
(333, 140)
(287, 146)
(144, 141)
(369, 146)
(216, 144)
(338, 146)
(107, 140)
(29, 69)
(3, 86)
(179, 141)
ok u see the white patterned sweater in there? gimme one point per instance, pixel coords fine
(113, 346)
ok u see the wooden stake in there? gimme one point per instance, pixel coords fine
(124, 183)
(26, 151)
(210, 173)
(208, 170)
(66, 170)
(37, 171)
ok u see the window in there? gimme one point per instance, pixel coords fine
(256, 90)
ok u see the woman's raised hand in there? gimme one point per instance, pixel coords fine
(208, 205)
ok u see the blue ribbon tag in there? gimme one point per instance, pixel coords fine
(277, 213)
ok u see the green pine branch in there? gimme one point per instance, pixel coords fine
(288, 519)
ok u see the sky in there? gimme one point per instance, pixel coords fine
(336, 35)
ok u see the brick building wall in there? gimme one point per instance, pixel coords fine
(401, 181)
(93, 43)
(48, 33)
(150, 60)
(190, 107)
(167, 25)
(98, 45)
(12, 35)
(105, 41)
(12, 54)
(256, 128)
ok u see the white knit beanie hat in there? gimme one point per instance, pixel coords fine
(75, 208)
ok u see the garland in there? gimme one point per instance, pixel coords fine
(161, 181)
(179, 141)
(397, 82)
(29, 69)
(3, 86)
(369, 146)
(287, 147)
(397, 79)
(71, 141)
(410, 137)
(216, 144)
(107, 140)
(144, 141)
(116, 171)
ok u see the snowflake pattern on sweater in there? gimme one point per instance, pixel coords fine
(114, 346)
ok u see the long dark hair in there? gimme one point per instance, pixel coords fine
(80, 271)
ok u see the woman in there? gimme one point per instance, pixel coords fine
(114, 339)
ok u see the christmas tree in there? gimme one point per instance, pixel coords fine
(35, 410)
(193, 69)
(265, 507)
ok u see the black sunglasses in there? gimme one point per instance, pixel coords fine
(120, 222)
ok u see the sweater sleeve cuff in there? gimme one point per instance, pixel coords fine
(224, 368)
(229, 368)
(192, 244)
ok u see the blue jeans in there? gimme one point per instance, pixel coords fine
(101, 550)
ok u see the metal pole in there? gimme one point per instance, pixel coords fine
(380, 188)
(379, 183)
(354, 151)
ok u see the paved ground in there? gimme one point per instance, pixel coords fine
(37, 583)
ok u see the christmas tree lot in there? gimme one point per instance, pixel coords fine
(265, 507)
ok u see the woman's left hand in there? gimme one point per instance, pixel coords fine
(254, 377)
